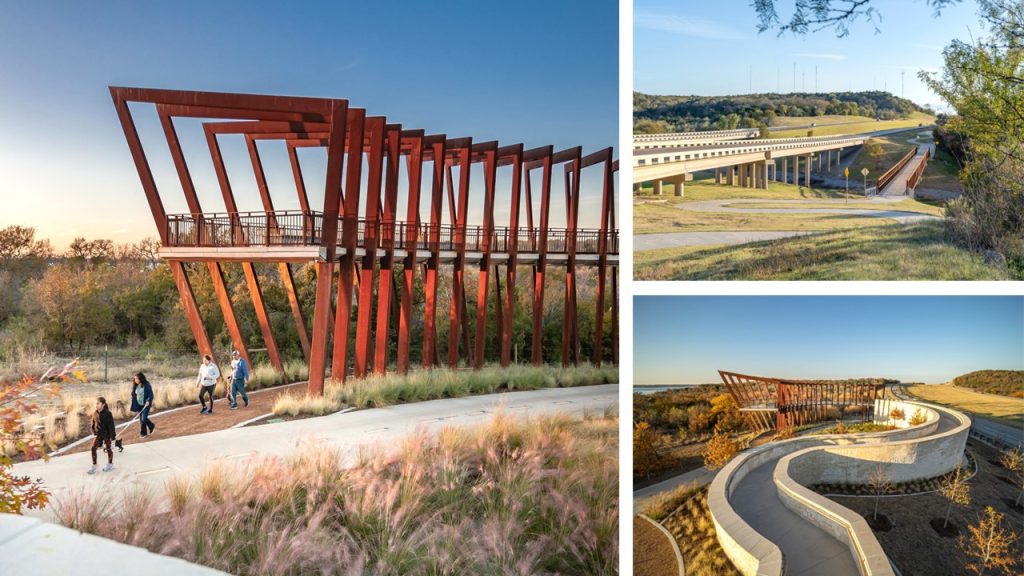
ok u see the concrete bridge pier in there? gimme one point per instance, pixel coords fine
(678, 184)
(785, 168)
(636, 188)
(657, 188)
(729, 175)
(828, 162)
(807, 170)
(718, 175)
(839, 159)
(763, 169)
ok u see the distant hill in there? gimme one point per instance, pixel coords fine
(1002, 382)
(653, 113)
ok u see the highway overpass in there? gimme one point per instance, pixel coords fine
(748, 163)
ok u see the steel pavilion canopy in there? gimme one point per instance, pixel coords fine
(770, 403)
(359, 232)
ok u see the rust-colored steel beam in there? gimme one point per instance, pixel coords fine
(349, 234)
(375, 128)
(490, 150)
(188, 302)
(385, 292)
(415, 171)
(337, 237)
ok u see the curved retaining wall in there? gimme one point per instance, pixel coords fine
(910, 451)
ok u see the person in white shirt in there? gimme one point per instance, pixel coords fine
(207, 381)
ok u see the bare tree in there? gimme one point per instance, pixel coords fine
(954, 487)
(879, 484)
(1013, 460)
(818, 15)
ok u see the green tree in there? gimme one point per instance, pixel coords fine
(984, 82)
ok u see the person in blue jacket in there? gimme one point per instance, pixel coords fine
(142, 402)
(239, 375)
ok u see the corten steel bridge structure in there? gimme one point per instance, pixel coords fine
(772, 403)
(364, 248)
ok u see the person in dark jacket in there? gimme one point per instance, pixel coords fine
(103, 429)
(142, 398)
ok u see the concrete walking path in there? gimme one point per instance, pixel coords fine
(148, 465)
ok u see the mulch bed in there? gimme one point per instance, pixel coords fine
(880, 523)
(652, 551)
(949, 531)
(1011, 503)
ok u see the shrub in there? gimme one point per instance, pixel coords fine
(917, 418)
(896, 414)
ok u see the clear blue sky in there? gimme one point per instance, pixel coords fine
(686, 340)
(707, 48)
(534, 72)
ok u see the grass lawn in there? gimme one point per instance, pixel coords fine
(893, 148)
(891, 252)
(652, 214)
(1007, 410)
(825, 120)
(857, 128)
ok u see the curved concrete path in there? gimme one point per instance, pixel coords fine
(150, 464)
(808, 549)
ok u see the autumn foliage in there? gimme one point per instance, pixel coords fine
(21, 492)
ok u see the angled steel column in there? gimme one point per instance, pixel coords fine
(570, 330)
(438, 148)
(385, 290)
(513, 253)
(247, 267)
(287, 280)
(458, 319)
(349, 235)
(602, 254)
(216, 272)
(375, 127)
(412, 225)
(540, 268)
(329, 242)
(490, 151)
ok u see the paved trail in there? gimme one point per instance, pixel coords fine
(149, 464)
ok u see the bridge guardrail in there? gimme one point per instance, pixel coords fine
(891, 173)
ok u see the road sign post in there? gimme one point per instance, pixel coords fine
(864, 173)
(846, 172)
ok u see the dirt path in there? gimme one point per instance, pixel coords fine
(187, 420)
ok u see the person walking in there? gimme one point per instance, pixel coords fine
(239, 376)
(142, 398)
(103, 429)
(207, 382)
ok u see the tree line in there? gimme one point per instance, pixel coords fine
(98, 292)
(655, 114)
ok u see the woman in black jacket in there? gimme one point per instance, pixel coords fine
(103, 429)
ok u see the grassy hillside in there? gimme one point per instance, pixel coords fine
(892, 252)
(1009, 411)
(1003, 382)
(914, 119)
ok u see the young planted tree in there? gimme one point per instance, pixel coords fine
(989, 544)
(917, 418)
(879, 485)
(21, 492)
(1013, 460)
(955, 488)
(897, 414)
(719, 449)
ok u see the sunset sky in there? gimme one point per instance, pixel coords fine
(534, 72)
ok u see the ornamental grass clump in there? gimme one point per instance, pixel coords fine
(509, 497)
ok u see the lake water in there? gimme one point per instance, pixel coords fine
(653, 389)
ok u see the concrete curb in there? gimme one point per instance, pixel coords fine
(672, 539)
(32, 546)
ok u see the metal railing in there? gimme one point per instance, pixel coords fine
(297, 228)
